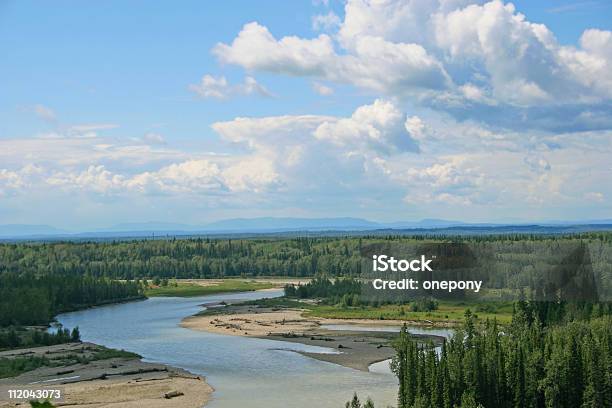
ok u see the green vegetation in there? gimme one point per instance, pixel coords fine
(448, 312)
(530, 365)
(295, 257)
(341, 299)
(104, 353)
(552, 354)
(356, 403)
(28, 299)
(193, 289)
(19, 337)
(346, 290)
(43, 404)
(12, 367)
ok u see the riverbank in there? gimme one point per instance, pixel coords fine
(357, 348)
(86, 379)
(203, 287)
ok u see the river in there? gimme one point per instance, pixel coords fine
(245, 372)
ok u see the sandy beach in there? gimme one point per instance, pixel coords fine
(109, 383)
(356, 348)
(250, 321)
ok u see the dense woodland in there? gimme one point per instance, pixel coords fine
(41, 279)
(515, 260)
(533, 363)
(529, 364)
(30, 299)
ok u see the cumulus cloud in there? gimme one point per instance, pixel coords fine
(375, 63)
(277, 153)
(378, 127)
(220, 88)
(328, 159)
(524, 63)
(254, 174)
(449, 53)
(197, 176)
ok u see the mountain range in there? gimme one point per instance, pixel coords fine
(264, 225)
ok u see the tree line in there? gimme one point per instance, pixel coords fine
(509, 261)
(532, 363)
(27, 299)
(528, 364)
(15, 337)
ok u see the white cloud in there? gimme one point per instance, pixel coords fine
(220, 88)
(321, 89)
(10, 180)
(153, 139)
(291, 158)
(378, 127)
(594, 196)
(325, 22)
(374, 63)
(192, 176)
(95, 178)
(451, 53)
(251, 174)
(523, 60)
(415, 127)
(256, 49)
(91, 127)
(211, 87)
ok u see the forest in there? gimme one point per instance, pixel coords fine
(531, 363)
(34, 300)
(506, 261)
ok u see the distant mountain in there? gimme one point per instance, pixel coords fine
(151, 226)
(580, 222)
(424, 223)
(290, 224)
(25, 230)
(300, 226)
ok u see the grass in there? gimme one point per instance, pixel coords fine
(183, 289)
(12, 367)
(105, 353)
(447, 312)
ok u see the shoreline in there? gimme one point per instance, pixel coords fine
(117, 382)
(356, 349)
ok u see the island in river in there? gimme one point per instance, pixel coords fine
(358, 346)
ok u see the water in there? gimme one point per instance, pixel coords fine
(244, 371)
(383, 367)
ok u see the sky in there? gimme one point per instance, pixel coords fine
(191, 112)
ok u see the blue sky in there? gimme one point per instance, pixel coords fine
(390, 110)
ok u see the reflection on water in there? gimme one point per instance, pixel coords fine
(244, 371)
